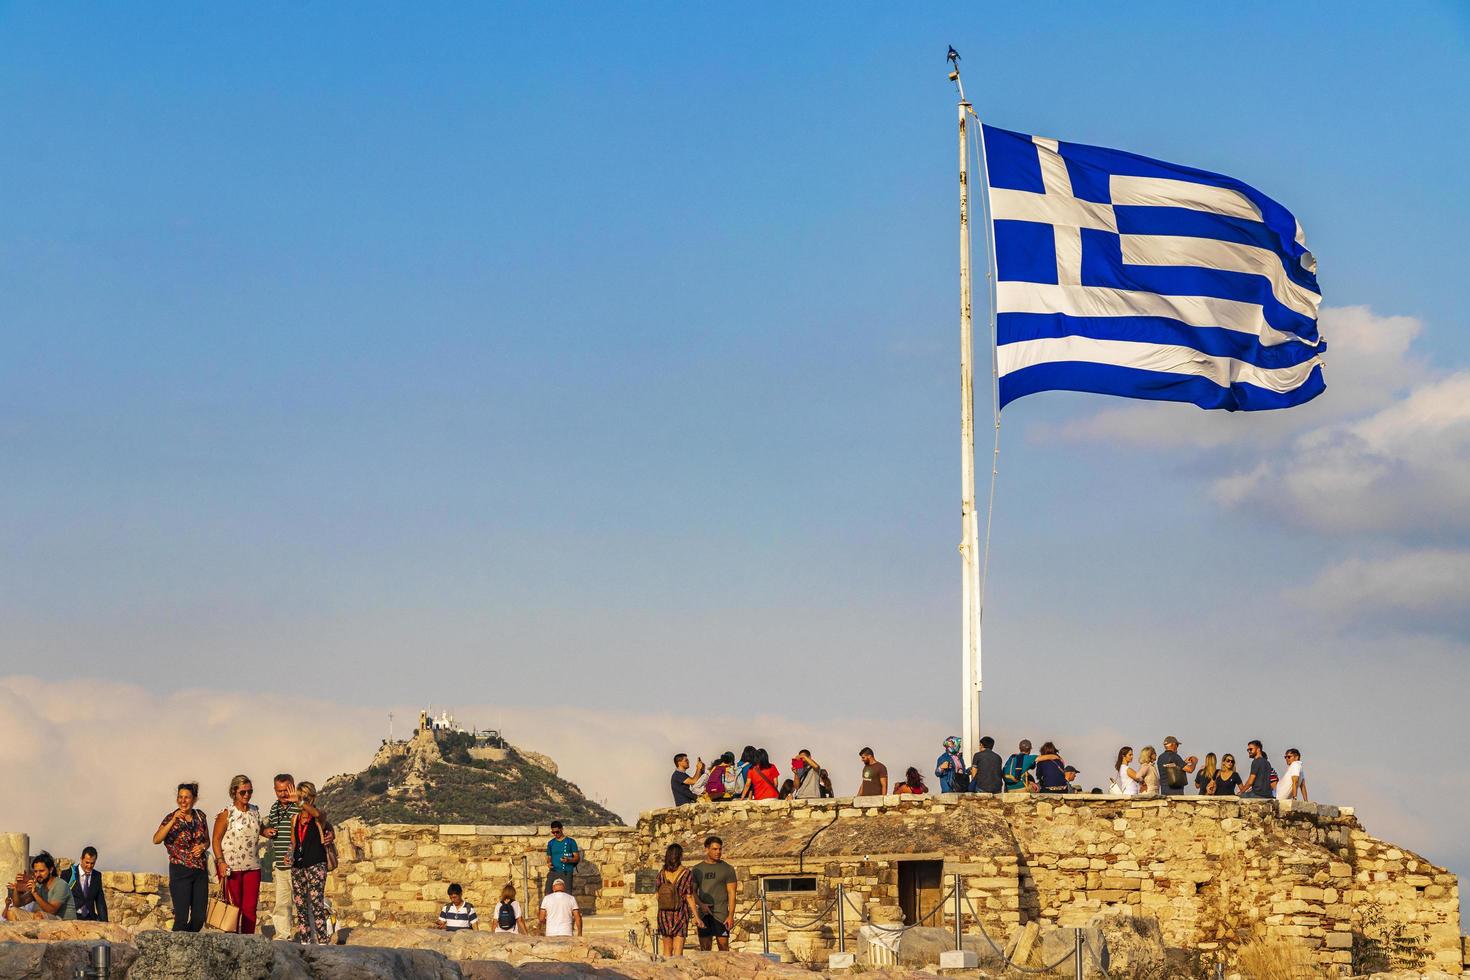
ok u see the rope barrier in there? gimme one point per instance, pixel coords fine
(813, 921)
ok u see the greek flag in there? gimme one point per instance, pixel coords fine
(1122, 275)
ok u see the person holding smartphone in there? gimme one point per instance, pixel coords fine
(43, 888)
(184, 833)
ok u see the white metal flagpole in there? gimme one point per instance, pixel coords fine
(970, 544)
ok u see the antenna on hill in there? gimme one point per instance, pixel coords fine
(390, 726)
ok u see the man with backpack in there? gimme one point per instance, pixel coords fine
(1174, 769)
(458, 914)
(1017, 771)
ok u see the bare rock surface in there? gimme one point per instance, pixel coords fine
(62, 930)
(55, 960)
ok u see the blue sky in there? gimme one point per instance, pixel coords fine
(566, 354)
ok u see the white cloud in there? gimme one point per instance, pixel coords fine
(1426, 584)
(1405, 467)
(1369, 363)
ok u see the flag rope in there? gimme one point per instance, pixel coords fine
(978, 142)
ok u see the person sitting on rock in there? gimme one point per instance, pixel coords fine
(51, 897)
(458, 915)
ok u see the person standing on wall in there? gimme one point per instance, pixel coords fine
(1293, 783)
(950, 768)
(86, 887)
(875, 775)
(807, 773)
(238, 831)
(1174, 769)
(1148, 771)
(184, 833)
(562, 858)
(683, 782)
(985, 769)
(1257, 785)
(1017, 770)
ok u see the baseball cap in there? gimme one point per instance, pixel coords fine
(1171, 738)
(1073, 769)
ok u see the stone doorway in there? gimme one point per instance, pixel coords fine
(919, 891)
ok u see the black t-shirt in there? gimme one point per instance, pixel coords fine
(1261, 774)
(987, 765)
(682, 792)
(1223, 786)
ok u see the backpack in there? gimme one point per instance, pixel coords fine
(1012, 769)
(668, 892)
(959, 780)
(505, 917)
(1176, 778)
(715, 784)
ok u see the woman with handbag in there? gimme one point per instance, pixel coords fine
(184, 833)
(311, 859)
(237, 834)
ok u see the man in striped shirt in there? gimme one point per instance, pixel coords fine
(277, 865)
(458, 914)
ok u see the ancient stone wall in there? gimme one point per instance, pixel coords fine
(396, 874)
(1217, 874)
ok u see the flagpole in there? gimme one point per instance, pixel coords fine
(970, 544)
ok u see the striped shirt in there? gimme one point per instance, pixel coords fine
(458, 918)
(278, 854)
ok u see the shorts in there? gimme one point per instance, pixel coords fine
(712, 928)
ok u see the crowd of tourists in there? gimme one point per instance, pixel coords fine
(754, 777)
(292, 847)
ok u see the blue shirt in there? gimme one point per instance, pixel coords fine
(559, 849)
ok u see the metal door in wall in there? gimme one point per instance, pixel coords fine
(919, 891)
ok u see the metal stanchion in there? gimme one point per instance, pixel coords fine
(957, 898)
(765, 922)
(1077, 954)
(841, 920)
(100, 964)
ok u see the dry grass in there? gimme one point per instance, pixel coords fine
(1273, 959)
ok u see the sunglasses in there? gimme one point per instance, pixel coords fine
(244, 792)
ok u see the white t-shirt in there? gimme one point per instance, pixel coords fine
(559, 907)
(1283, 781)
(1129, 785)
(515, 907)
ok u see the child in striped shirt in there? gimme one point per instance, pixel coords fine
(458, 914)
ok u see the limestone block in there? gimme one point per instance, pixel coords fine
(457, 830)
(117, 881)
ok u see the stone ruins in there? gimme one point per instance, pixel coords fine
(1215, 874)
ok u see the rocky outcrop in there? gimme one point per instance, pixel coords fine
(445, 777)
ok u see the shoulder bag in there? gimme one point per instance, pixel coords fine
(222, 915)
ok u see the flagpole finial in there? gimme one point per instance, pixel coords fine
(953, 57)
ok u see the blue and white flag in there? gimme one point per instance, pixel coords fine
(1122, 275)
